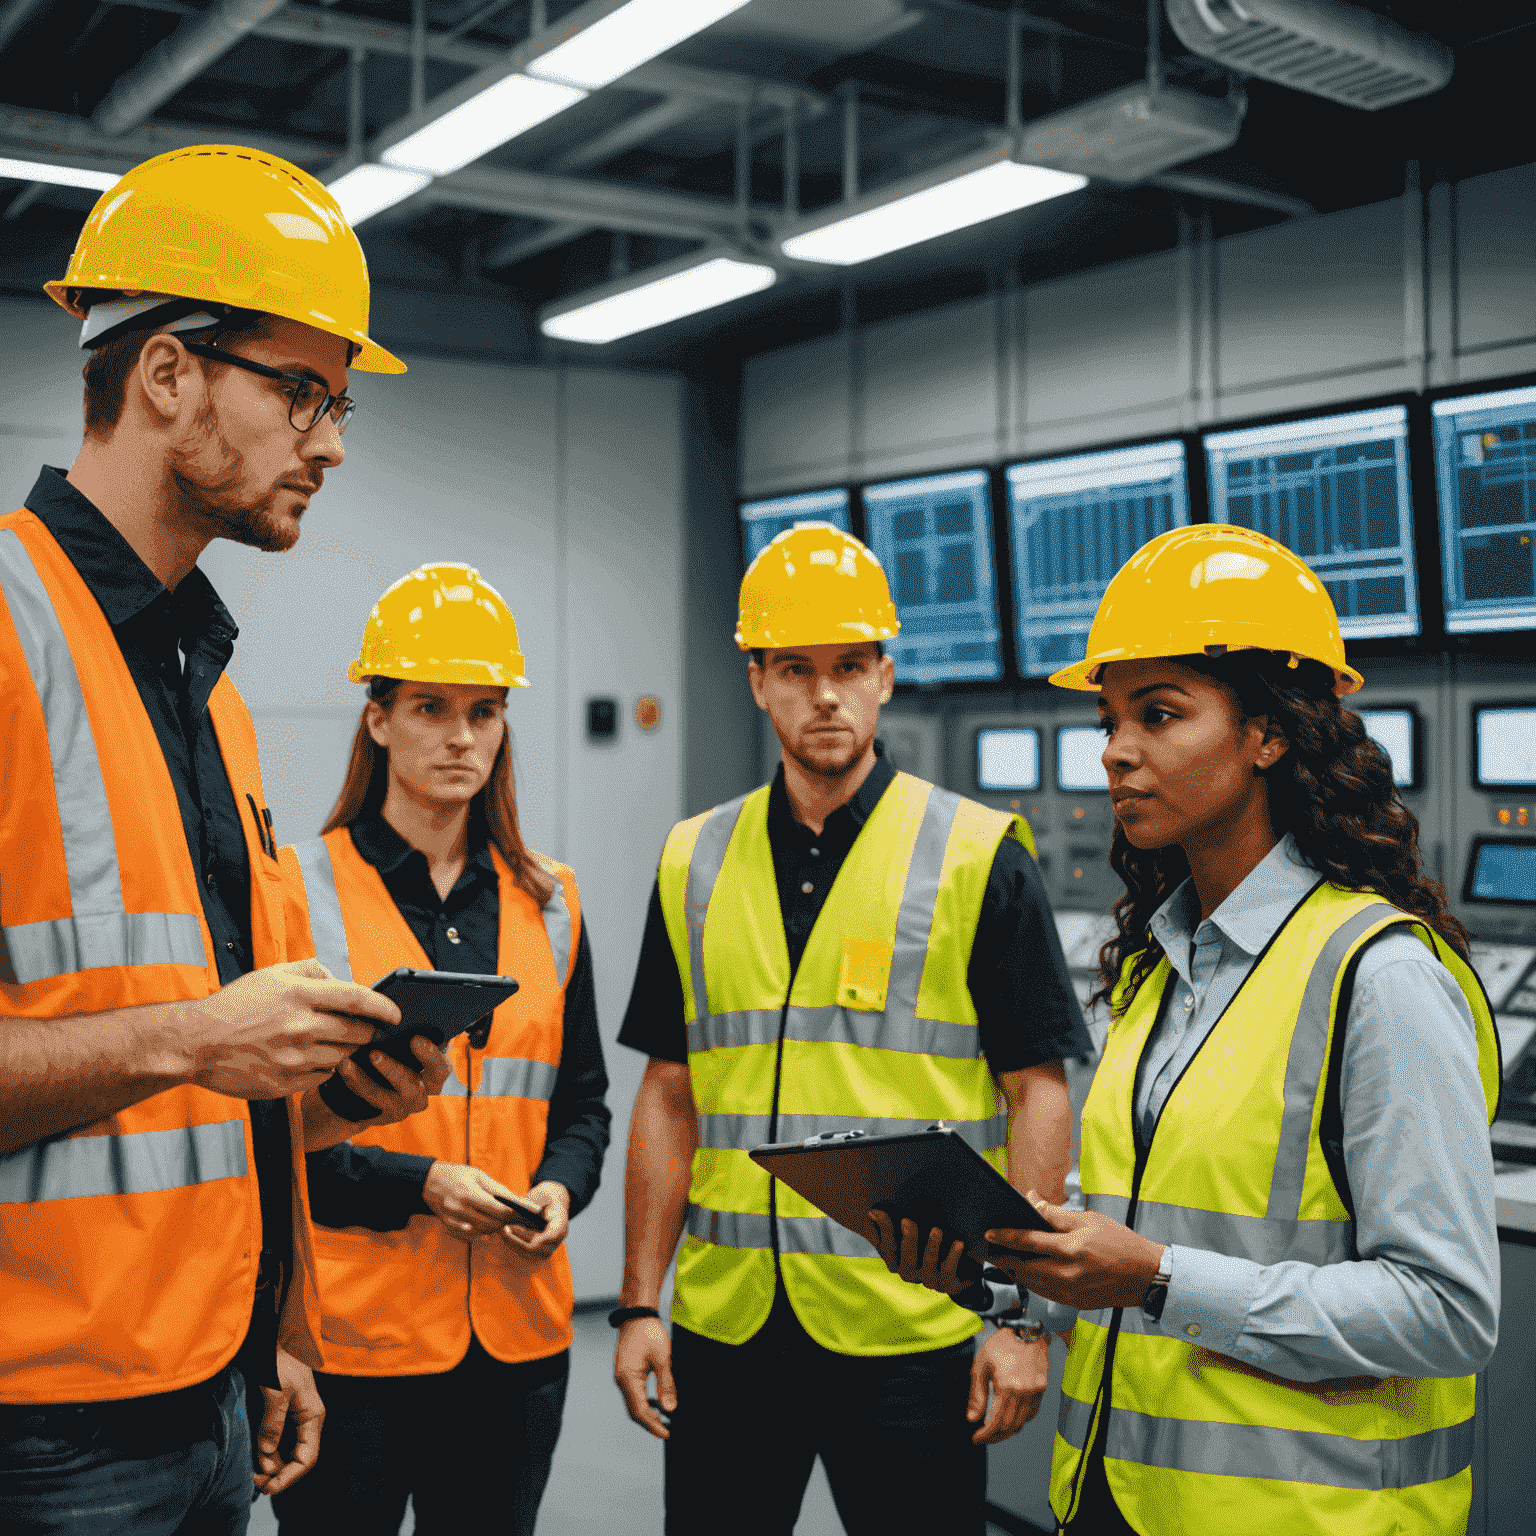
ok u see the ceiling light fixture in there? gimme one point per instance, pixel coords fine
(58, 175)
(654, 297)
(913, 211)
(627, 38)
(369, 189)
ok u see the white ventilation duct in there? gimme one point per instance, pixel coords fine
(1323, 47)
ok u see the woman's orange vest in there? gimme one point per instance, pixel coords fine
(404, 1303)
(129, 1245)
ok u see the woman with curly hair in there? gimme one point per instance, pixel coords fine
(1287, 1273)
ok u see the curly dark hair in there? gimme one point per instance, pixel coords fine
(1332, 791)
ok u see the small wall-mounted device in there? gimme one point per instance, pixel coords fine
(602, 719)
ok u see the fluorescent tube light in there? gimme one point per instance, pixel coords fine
(369, 189)
(475, 127)
(640, 304)
(626, 38)
(971, 198)
(58, 175)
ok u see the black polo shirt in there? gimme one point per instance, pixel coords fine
(1017, 976)
(155, 628)
(370, 1187)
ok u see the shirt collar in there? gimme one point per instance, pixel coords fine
(123, 586)
(856, 809)
(387, 851)
(1253, 914)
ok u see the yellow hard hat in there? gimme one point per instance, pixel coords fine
(1195, 590)
(443, 623)
(814, 585)
(231, 226)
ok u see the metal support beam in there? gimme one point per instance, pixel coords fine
(791, 162)
(15, 15)
(1222, 191)
(639, 129)
(357, 131)
(851, 141)
(510, 252)
(23, 200)
(418, 54)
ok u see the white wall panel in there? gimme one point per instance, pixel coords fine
(1495, 239)
(796, 416)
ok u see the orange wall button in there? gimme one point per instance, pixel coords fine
(648, 712)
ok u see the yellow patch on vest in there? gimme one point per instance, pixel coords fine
(865, 974)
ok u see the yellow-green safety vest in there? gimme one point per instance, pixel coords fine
(875, 1031)
(1197, 1441)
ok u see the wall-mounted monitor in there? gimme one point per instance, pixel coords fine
(934, 537)
(1080, 760)
(1335, 490)
(1502, 869)
(1396, 731)
(763, 521)
(1073, 522)
(1008, 759)
(1504, 746)
(1485, 479)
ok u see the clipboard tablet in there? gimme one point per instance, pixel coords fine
(934, 1178)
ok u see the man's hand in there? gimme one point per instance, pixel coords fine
(645, 1348)
(1088, 1262)
(921, 1262)
(280, 1030)
(554, 1200)
(1016, 1372)
(465, 1200)
(407, 1094)
(299, 1398)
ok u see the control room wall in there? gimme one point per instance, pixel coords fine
(566, 488)
(1428, 289)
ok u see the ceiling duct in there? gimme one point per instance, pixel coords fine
(1323, 47)
(1133, 133)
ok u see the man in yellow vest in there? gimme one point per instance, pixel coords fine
(156, 1042)
(848, 947)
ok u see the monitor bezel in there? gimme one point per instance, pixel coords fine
(1416, 782)
(1494, 840)
(1013, 789)
(1474, 710)
(1061, 789)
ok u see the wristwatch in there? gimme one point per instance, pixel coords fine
(1157, 1293)
(1024, 1331)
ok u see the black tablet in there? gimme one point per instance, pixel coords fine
(934, 1178)
(437, 1004)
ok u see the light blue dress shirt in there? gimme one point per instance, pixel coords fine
(1423, 1299)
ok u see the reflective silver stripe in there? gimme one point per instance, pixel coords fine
(842, 1026)
(510, 1077)
(703, 871)
(557, 926)
(729, 1229)
(1289, 1455)
(743, 1132)
(1116, 1207)
(454, 1088)
(1308, 1061)
(914, 918)
(1264, 1239)
(99, 932)
(325, 922)
(1073, 1420)
(141, 1163)
(824, 1237)
(721, 1031)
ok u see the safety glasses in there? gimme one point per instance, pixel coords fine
(307, 400)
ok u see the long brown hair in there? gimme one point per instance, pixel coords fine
(367, 780)
(1332, 791)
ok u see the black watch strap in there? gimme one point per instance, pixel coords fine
(621, 1315)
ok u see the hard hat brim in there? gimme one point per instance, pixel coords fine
(762, 637)
(471, 673)
(1083, 676)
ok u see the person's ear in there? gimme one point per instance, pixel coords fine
(887, 666)
(1272, 748)
(377, 719)
(757, 678)
(168, 377)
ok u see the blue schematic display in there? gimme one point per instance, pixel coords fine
(1335, 490)
(934, 538)
(763, 521)
(1502, 870)
(1485, 474)
(1073, 523)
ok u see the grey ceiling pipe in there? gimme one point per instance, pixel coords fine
(14, 16)
(184, 55)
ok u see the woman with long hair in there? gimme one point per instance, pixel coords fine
(1286, 1276)
(446, 1326)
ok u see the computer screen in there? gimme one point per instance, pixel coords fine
(1335, 490)
(1008, 759)
(1502, 869)
(1080, 759)
(1485, 478)
(934, 538)
(1073, 522)
(1393, 731)
(763, 521)
(1504, 747)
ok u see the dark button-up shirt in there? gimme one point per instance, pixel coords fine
(1017, 976)
(177, 645)
(379, 1189)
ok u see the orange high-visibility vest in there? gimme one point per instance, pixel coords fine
(131, 1244)
(405, 1303)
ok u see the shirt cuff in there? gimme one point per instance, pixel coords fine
(1209, 1298)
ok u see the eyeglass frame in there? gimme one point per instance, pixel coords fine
(328, 403)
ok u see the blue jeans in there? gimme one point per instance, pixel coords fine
(178, 1464)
